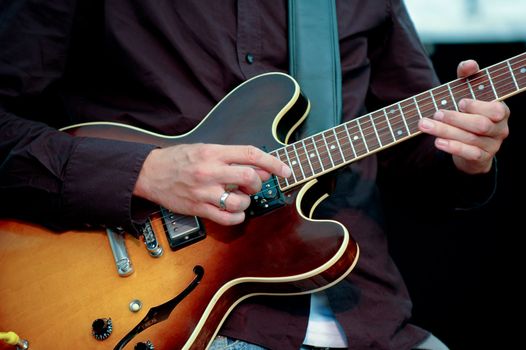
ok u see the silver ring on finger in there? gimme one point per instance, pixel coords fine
(222, 200)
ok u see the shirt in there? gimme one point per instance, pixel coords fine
(161, 66)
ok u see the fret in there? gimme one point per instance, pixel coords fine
(284, 159)
(306, 155)
(299, 160)
(452, 97)
(426, 104)
(491, 84)
(344, 142)
(408, 109)
(443, 98)
(356, 138)
(328, 149)
(322, 150)
(371, 140)
(314, 156)
(292, 165)
(481, 86)
(512, 75)
(297, 171)
(502, 78)
(434, 100)
(389, 124)
(363, 137)
(281, 180)
(350, 140)
(417, 108)
(375, 131)
(519, 70)
(397, 123)
(382, 127)
(339, 145)
(403, 118)
(460, 89)
(333, 146)
(471, 89)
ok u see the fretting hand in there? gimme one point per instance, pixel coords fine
(474, 134)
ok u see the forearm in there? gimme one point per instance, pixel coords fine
(62, 181)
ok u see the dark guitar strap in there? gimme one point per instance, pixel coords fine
(314, 59)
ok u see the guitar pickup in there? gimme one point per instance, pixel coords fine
(181, 230)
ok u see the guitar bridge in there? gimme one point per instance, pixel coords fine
(269, 198)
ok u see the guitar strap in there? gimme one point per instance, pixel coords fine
(314, 61)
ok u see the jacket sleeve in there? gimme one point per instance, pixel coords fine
(46, 175)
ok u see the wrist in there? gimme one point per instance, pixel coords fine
(473, 167)
(142, 186)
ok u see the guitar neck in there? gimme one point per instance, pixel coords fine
(333, 148)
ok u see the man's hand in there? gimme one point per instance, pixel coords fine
(474, 134)
(190, 179)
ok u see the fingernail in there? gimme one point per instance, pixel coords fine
(427, 123)
(462, 105)
(286, 171)
(439, 115)
(441, 142)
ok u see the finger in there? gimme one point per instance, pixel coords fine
(263, 175)
(222, 217)
(452, 133)
(473, 123)
(250, 155)
(462, 150)
(244, 177)
(234, 176)
(235, 201)
(496, 111)
(467, 68)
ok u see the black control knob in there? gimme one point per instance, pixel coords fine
(101, 328)
(144, 346)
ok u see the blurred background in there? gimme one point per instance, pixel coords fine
(465, 272)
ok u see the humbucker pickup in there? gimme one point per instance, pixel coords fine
(181, 230)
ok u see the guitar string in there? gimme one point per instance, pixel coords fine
(413, 109)
(410, 115)
(410, 112)
(361, 145)
(359, 148)
(412, 106)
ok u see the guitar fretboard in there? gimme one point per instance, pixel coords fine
(360, 137)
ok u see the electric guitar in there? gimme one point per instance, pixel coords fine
(65, 291)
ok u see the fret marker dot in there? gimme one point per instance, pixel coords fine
(481, 87)
(523, 70)
(311, 155)
(355, 138)
(294, 162)
(399, 132)
(333, 147)
(443, 102)
(392, 111)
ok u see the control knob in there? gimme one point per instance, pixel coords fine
(101, 328)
